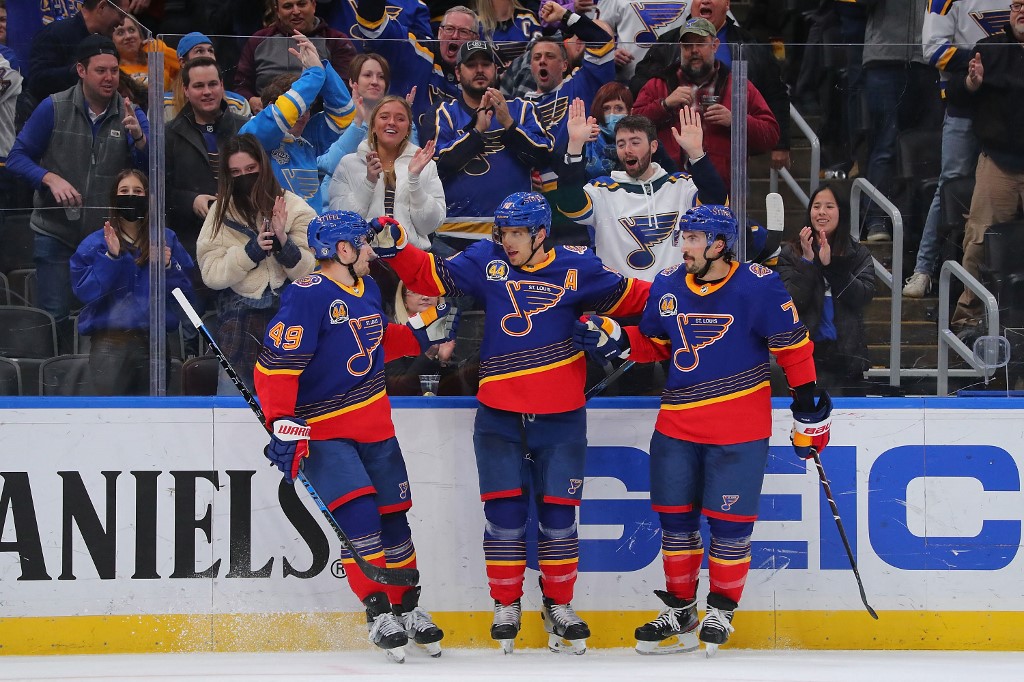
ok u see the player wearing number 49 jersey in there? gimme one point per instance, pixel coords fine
(716, 321)
(320, 380)
(531, 394)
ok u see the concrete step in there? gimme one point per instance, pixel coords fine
(913, 309)
(911, 355)
(914, 332)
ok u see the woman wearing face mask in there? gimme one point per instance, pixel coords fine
(110, 275)
(253, 242)
(611, 104)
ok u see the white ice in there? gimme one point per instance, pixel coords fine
(493, 666)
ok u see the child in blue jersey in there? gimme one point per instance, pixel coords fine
(531, 423)
(321, 373)
(716, 320)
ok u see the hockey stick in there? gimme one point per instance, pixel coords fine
(377, 574)
(842, 533)
(603, 384)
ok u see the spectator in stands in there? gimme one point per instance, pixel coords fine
(403, 374)
(431, 71)
(293, 138)
(637, 24)
(992, 90)
(72, 187)
(612, 104)
(193, 142)
(10, 87)
(507, 25)
(950, 30)
(831, 278)
(486, 146)
(53, 60)
(193, 46)
(268, 54)
(762, 66)
(413, 15)
(252, 244)
(134, 53)
(390, 176)
(3, 22)
(703, 82)
(110, 275)
(632, 217)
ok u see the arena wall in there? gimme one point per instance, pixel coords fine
(156, 525)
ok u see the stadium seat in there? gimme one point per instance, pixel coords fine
(28, 336)
(5, 290)
(10, 377)
(23, 286)
(65, 375)
(199, 375)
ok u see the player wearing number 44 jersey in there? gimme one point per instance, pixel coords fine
(320, 380)
(716, 320)
(531, 424)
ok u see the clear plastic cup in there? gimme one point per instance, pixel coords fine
(428, 383)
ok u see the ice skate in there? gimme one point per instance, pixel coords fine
(566, 630)
(419, 627)
(717, 624)
(505, 626)
(673, 631)
(385, 629)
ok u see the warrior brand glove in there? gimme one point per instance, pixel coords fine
(811, 429)
(435, 325)
(289, 445)
(602, 337)
(390, 237)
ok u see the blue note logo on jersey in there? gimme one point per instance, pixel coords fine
(338, 312)
(497, 271)
(647, 231)
(528, 298)
(551, 113)
(656, 17)
(368, 332)
(667, 305)
(698, 330)
(991, 21)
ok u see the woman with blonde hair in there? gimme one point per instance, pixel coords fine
(389, 175)
(252, 244)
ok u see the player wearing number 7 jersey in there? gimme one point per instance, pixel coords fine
(531, 394)
(716, 321)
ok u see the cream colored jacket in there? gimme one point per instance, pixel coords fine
(224, 263)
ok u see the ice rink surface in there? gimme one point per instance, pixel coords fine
(492, 666)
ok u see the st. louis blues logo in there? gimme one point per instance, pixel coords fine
(403, 490)
(647, 231)
(728, 501)
(497, 271)
(574, 485)
(991, 21)
(528, 298)
(657, 17)
(696, 331)
(667, 305)
(338, 312)
(551, 113)
(367, 332)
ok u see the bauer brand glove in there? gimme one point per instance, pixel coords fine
(289, 445)
(811, 429)
(435, 325)
(390, 237)
(602, 337)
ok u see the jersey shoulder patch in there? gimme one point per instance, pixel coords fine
(760, 270)
(575, 249)
(309, 281)
(669, 270)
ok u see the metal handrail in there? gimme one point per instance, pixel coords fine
(947, 339)
(892, 280)
(812, 138)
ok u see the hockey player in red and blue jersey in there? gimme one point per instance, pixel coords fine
(321, 373)
(716, 320)
(531, 394)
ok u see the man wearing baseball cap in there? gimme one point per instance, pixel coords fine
(192, 46)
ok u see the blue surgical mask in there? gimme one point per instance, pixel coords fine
(608, 127)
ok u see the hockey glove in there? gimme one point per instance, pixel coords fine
(390, 237)
(435, 325)
(811, 429)
(602, 337)
(289, 445)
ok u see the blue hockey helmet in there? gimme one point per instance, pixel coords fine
(327, 230)
(717, 222)
(523, 209)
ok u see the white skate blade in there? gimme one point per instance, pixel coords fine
(566, 646)
(397, 655)
(507, 645)
(710, 649)
(433, 649)
(677, 644)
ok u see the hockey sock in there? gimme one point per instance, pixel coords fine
(729, 559)
(359, 519)
(681, 552)
(505, 547)
(558, 550)
(398, 549)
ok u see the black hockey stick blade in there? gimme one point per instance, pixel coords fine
(610, 379)
(842, 533)
(377, 574)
